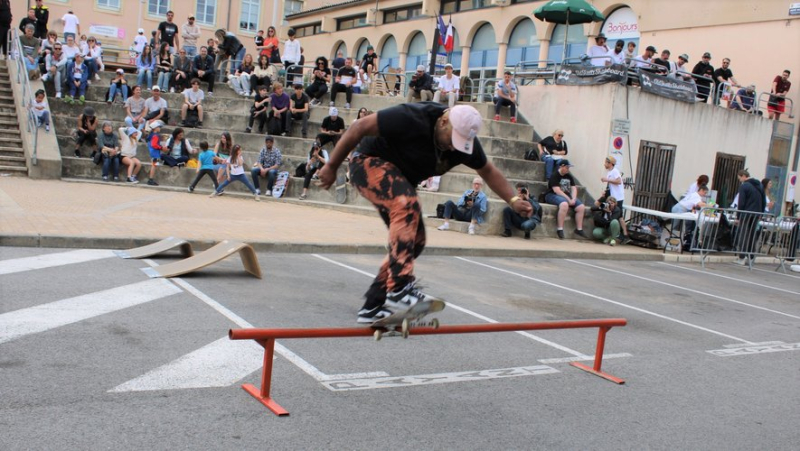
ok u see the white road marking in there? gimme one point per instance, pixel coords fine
(440, 378)
(749, 350)
(585, 359)
(600, 298)
(678, 287)
(16, 265)
(732, 278)
(774, 272)
(44, 317)
(475, 314)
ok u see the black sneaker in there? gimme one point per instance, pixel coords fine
(152, 182)
(78, 154)
(560, 234)
(370, 316)
(248, 130)
(199, 124)
(506, 233)
(406, 297)
(580, 233)
(527, 234)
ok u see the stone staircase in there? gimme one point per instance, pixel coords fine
(12, 157)
(504, 143)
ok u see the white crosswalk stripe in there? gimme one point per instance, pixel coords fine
(17, 265)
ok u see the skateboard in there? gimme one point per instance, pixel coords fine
(341, 185)
(280, 184)
(408, 318)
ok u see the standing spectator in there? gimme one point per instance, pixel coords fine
(607, 218)
(211, 46)
(332, 128)
(139, 42)
(230, 48)
(72, 25)
(645, 60)
(86, 132)
(135, 109)
(279, 110)
(269, 161)
(505, 94)
(631, 51)
(449, 86)
(269, 45)
(420, 86)
(320, 76)
(30, 52)
(118, 84)
(206, 166)
(153, 43)
(599, 52)
(705, 70)
(317, 158)
(616, 190)
(56, 68)
(204, 68)
(5, 25)
(768, 203)
(780, 87)
(339, 61)
(682, 70)
(262, 74)
(77, 78)
(193, 100)
(618, 54)
(190, 33)
(154, 147)
(471, 206)
(163, 67)
(292, 55)
(178, 149)
(168, 32)
(234, 171)
(752, 199)
(259, 110)
(370, 61)
(108, 142)
(30, 19)
(563, 192)
(156, 108)
(299, 109)
(129, 143)
(182, 70)
(669, 67)
(724, 75)
(42, 17)
(39, 107)
(345, 79)
(744, 100)
(240, 80)
(145, 65)
(525, 223)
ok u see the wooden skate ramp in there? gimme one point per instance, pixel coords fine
(158, 248)
(217, 253)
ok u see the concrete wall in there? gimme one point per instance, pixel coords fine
(698, 130)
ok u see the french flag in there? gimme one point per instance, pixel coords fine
(448, 36)
(442, 30)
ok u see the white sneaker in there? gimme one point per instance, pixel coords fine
(370, 316)
(741, 261)
(97, 77)
(258, 191)
(172, 90)
(268, 192)
(346, 106)
(407, 297)
(471, 229)
(45, 77)
(445, 226)
(330, 103)
(58, 95)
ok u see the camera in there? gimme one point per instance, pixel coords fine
(604, 205)
(524, 191)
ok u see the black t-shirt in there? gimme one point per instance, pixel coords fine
(703, 68)
(301, 102)
(258, 99)
(726, 74)
(321, 80)
(369, 59)
(566, 182)
(406, 140)
(550, 144)
(347, 72)
(168, 32)
(259, 41)
(333, 125)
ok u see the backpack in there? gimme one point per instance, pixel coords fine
(532, 154)
(192, 118)
(440, 211)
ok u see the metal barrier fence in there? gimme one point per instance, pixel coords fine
(27, 98)
(728, 231)
(766, 99)
(531, 71)
(786, 241)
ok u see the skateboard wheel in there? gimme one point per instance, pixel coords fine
(378, 335)
(404, 327)
(404, 334)
(435, 323)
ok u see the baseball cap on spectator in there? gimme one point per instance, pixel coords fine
(563, 162)
(156, 88)
(611, 159)
(141, 30)
(466, 123)
(369, 47)
(620, 43)
(706, 55)
(448, 65)
(269, 138)
(684, 57)
(191, 16)
(420, 68)
(157, 124)
(650, 48)
(600, 36)
(333, 111)
(120, 71)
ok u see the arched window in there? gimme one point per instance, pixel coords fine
(576, 42)
(389, 54)
(455, 57)
(417, 52)
(341, 48)
(484, 49)
(523, 44)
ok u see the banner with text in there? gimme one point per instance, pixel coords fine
(574, 75)
(668, 87)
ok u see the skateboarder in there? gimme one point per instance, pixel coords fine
(399, 147)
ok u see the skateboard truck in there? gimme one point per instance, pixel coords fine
(405, 328)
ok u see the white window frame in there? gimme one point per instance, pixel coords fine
(288, 7)
(250, 5)
(199, 14)
(159, 3)
(109, 7)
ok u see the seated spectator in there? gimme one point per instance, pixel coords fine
(163, 67)
(145, 65)
(599, 52)
(71, 48)
(240, 80)
(552, 149)
(30, 52)
(618, 54)
(505, 94)
(299, 109)
(279, 110)
(48, 45)
(222, 150)
(563, 192)
(109, 146)
(182, 72)
(77, 78)
(204, 68)
(420, 86)
(135, 109)
(430, 184)
(449, 86)
(56, 68)
(362, 82)
(471, 206)
(206, 166)
(744, 100)
(607, 221)
(262, 74)
(370, 61)
(178, 149)
(332, 128)
(317, 158)
(118, 85)
(129, 142)
(512, 218)
(234, 171)
(94, 58)
(39, 107)
(259, 111)
(320, 77)
(86, 132)
(193, 101)
(155, 148)
(269, 162)
(156, 107)
(345, 80)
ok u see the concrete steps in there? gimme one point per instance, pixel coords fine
(12, 157)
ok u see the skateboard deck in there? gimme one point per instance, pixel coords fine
(405, 319)
(280, 184)
(341, 185)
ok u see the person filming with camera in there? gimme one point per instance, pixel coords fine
(606, 218)
(470, 207)
(525, 223)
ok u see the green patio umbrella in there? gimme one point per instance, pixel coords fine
(568, 12)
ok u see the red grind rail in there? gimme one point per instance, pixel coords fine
(267, 337)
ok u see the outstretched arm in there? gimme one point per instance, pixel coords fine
(498, 183)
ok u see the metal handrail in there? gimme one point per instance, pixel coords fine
(27, 98)
(787, 101)
(534, 70)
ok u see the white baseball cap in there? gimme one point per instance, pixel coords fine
(141, 30)
(467, 123)
(333, 111)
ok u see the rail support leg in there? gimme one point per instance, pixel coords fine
(598, 359)
(266, 379)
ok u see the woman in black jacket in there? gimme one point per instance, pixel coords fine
(231, 48)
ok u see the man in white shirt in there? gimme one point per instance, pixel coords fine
(449, 86)
(291, 57)
(616, 190)
(682, 71)
(192, 100)
(644, 60)
(599, 52)
(72, 26)
(618, 54)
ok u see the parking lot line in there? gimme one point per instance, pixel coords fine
(16, 265)
(672, 285)
(730, 278)
(774, 272)
(600, 298)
